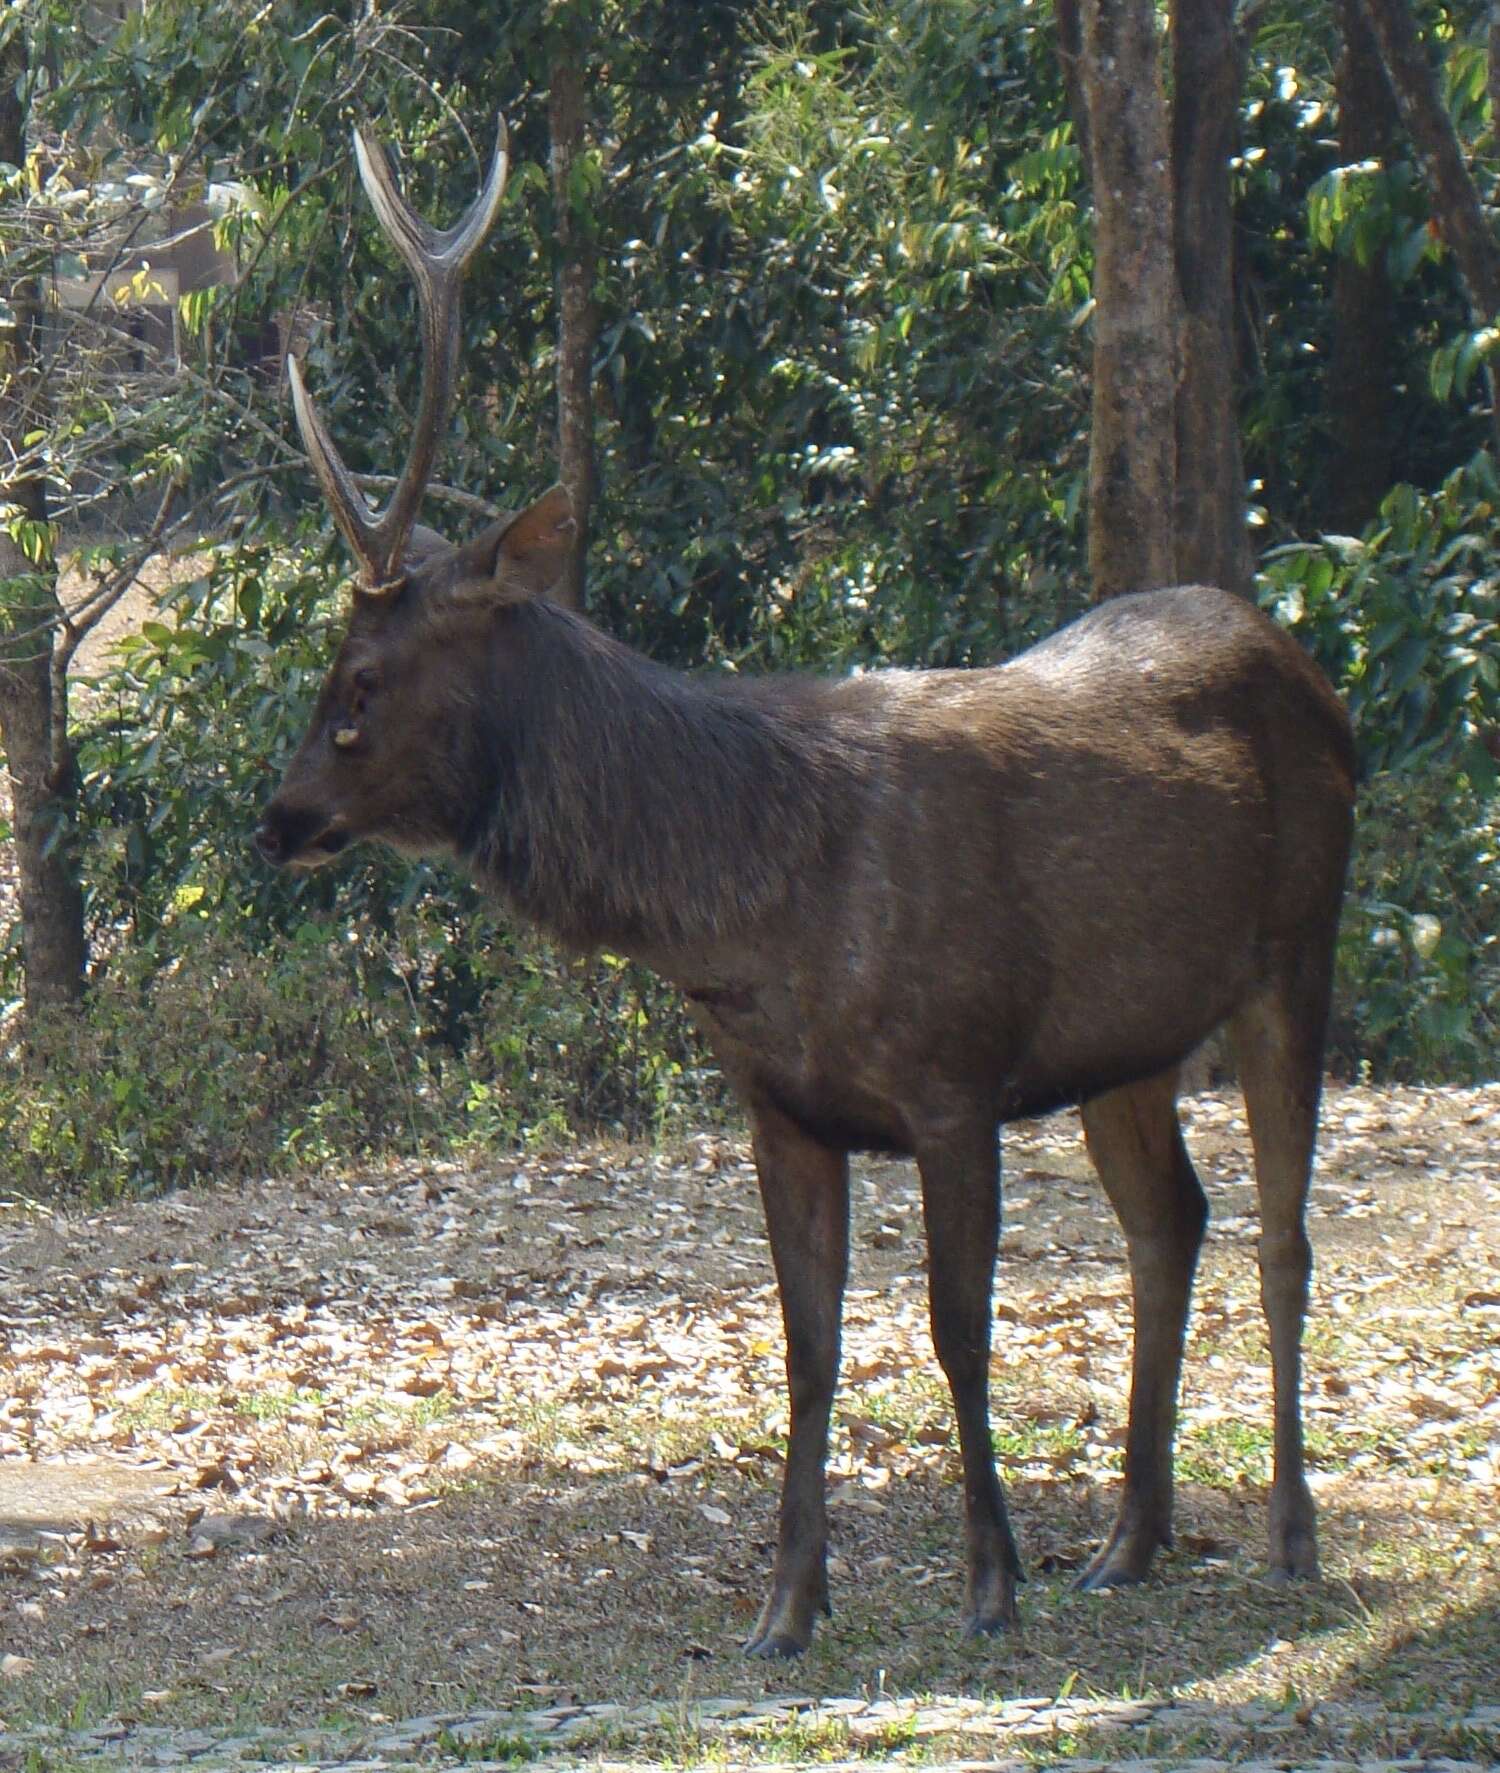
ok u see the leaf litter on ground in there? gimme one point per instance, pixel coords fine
(434, 1435)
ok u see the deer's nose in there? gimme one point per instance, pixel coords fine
(270, 843)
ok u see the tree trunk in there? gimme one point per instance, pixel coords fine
(1212, 547)
(1460, 213)
(1361, 406)
(42, 794)
(578, 321)
(1070, 60)
(1133, 446)
(42, 783)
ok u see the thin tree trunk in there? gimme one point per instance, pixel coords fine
(578, 320)
(1133, 445)
(1212, 547)
(42, 781)
(1460, 213)
(1070, 59)
(1361, 404)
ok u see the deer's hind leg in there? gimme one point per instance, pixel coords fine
(1136, 1144)
(1278, 1047)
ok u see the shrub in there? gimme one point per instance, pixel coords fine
(223, 1060)
(1406, 620)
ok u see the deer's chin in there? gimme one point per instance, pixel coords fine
(417, 846)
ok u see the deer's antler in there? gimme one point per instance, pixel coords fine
(436, 259)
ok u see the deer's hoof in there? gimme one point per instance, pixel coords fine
(775, 1646)
(1294, 1541)
(1296, 1563)
(1121, 1563)
(992, 1622)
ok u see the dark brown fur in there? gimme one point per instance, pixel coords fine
(907, 907)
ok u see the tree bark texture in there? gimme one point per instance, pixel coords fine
(42, 783)
(1361, 404)
(1212, 547)
(1133, 446)
(578, 320)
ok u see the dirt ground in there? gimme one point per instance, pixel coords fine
(141, 603)
(376, 1444)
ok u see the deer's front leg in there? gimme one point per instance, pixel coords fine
(805, 1189)
(960, 1169)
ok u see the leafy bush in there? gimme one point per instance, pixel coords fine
(1419, 953)
(228, 1060)
(1406, 620)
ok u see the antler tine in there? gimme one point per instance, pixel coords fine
(345, 500)
(436, 259)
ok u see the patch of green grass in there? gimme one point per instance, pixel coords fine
(1224, 1454)
(1326, 1342)
(442, 1406)
(804, 1737)
(1332, 1445)
(385, 1414)
(512, 1746)
(1054, 1443)
(164, 1405)
(278, 1403)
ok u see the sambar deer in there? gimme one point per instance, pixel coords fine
(906, 907)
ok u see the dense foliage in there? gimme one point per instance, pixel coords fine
(843, 287)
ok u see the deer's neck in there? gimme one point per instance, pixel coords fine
(637, 808)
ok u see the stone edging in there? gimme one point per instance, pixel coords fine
(1274, 1739)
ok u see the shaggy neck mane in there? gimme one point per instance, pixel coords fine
(633, 806)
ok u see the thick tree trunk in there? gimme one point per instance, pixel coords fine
(578, 321)
(1212, 547)
(42, 785)
(1456, 200)
(1133, 446)
(1360, 401)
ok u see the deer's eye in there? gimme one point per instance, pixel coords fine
(366, 679)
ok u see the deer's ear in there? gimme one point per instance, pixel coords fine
(524, 556)
(424, 544)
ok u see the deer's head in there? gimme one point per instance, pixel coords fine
(386, 754)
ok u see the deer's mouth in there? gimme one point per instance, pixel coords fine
(300, 840)
(323, 848)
